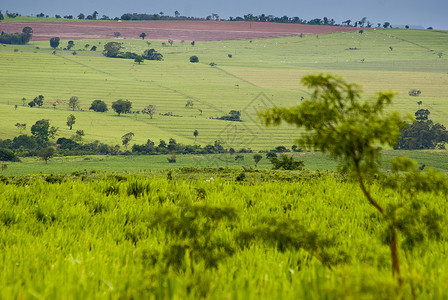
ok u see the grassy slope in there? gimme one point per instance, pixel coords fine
(260, 73)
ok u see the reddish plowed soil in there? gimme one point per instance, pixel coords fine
(164, 30)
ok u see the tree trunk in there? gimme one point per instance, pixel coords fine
(394, 255)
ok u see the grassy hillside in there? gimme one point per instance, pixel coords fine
(261, 73)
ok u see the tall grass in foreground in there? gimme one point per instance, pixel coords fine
(134, 237)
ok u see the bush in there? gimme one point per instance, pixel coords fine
(414, 93)
(7, 155)
(194, 59)
(286, 162)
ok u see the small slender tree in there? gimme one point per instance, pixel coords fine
(150, 110)
(353, 132)
(257, 158)
(195, 133)
(142, 35)
(126, 139)
(73, 103)
(71, 119)
(46, 153)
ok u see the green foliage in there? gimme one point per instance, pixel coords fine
(257, 158)
(286, 162)
(150, 110)
(112, 49)
(194, 59)
(138, 59)
(142, 35)
(74, 103)
(46, 153)
(422, 133)
(126, 138)
(17, 38)
(192, 235)
(98, 106)
(7, 155)
(291, 234)
(42, 131)
(122, 106)
(71, 120)
(234, 115)
(54, 42)
(152, 54)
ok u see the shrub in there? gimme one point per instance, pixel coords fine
(194, 59)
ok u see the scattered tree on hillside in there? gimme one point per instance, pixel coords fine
(257, 158)
(126, 139)
(42, 131)
(142, 35)
(71, 120)
(193, 43)
(286, 162)
(151, 54)
(170, 41)
(46, 153)
(81, 16)
(138, 59)
(39, 101)
(117, 34)
(195, 133)
(414, 93)
(336, 122)
(122, 106)
(150, 110)
(98, 106)
(112, 49)
(54, 42)
(70, 45)
(194, 59)
(74, 103)
(234, 115)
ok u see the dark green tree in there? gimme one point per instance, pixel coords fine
(422, 114)
(194, 59)
(286, 162)
(257, 158)
(138, 59)
(54, 42)
(112, 49)
(142, 35)
(98, 106)
(42, 131)
(151, 54)
(195, 133)
(122, 106)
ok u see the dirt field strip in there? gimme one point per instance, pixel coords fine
(175, 30)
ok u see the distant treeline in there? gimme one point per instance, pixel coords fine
(363, 22)
(17, 38)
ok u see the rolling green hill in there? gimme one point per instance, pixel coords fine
(260, 73)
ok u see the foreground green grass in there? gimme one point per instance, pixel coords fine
(437, 160)
(261, 73)
(95, 238)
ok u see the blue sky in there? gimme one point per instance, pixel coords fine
(397, 12)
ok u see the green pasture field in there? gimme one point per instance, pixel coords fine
(261, 73)
(111, 237)
(436, 159)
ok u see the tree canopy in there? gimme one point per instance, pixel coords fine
(122, 106)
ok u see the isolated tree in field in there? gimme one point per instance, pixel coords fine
(193, 43)
(74, 103)
(39, 101)
(126, 139)
(338, 123)
(122, 106)
(176, 14)
(98, 106)
(194, 59)
(171, 42)
(23, 101)
(71, 120)
(54, 42)
(46, 153)
(142, 35)
(189, 104)
(150, 110)
(257, 158)
(138, 59)
(112, 49)
(195, 133)
(117, 34)
(386, 25)
(81, 16)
